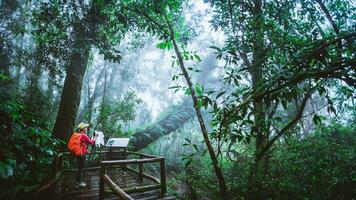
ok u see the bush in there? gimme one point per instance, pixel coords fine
(321, 166)
(26, 150)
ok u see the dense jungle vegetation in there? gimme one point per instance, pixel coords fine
(246, 99)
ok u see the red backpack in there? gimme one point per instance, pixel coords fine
(75, 144)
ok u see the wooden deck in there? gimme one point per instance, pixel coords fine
(123, 178)
(129, 181)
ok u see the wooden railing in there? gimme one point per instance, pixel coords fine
(122, 193)
(110, 154)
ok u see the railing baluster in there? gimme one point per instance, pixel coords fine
(102, 183)
(163, 176)
(140, 169)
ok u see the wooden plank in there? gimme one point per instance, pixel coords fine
(85, 169)
(152, 195)
(79, 191)
(119, 192)
(142, 188)
(142, 154)
(131, 161)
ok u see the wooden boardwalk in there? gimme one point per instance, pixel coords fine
(123, 178)
(127, 180)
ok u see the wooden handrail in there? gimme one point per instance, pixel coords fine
(122, 193)
(105, 179)
(118, 191)
(142, 188)
(67, 153)
(131, 161)
(85, 169)
(142, 154)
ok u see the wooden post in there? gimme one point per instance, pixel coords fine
(54, 167)
(60, 163)
(102, 183)
(100, 155)
(140, 169)
(110, 153)
(163, 176)
(125, 156)
(125, 153)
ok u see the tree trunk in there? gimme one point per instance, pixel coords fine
(33, 90)
(4, 59)
(88, 108)
(170, 123)
(70, 97)
(218, 172)
(257, 176)
(180, 114)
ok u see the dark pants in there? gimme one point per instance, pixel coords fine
(81, 164)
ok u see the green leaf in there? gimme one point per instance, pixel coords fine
(197, 57)
(200, 103)
(188, 163)
(195, 147)
(188, 140)
(220, 94)
(198, 90)
(216, 48)
(316, 120)
(161, 45)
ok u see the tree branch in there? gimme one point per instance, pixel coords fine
(328, 16)
(290, 124)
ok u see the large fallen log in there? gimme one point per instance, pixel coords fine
(178, 116)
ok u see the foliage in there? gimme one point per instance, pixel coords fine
(318, 167)
(26, 149)
(307, 64)
(285, 113)
(113, 117)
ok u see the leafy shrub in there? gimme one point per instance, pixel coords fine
(26, 151)
(321, 166)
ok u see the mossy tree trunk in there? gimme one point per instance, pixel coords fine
(257, 176)
(70, 98)
(178, 116)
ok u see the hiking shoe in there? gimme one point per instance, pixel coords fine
(82, 184)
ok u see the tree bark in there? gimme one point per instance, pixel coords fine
(88, 108)
(180, 114)
(70, 97)
(218, 172)
(170, 123)
(4, 59)
(257, 174)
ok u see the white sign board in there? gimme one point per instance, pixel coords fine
(118, 142)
